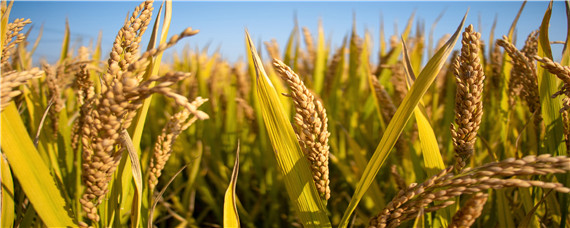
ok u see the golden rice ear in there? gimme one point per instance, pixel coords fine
(524, 75)
(9, 32)
(178, 123)
(11, 81)
(312, 133)
(470, 78)
(467, 215)
(123, 93)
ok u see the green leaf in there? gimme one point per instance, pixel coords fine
(547, 83)
(4, 24)
(566, 51)
(394, 54)
(428, 142)
(503, 210)
(7, 194)
(433, 162)
(65, 42)
(159, 196)
(32, 173)
(320, 61)
(291, 162)
(398, 122)
(231, 217)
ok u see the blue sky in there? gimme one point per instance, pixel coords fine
(222, 24)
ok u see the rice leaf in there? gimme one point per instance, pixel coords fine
(566, 51)
(32, 173)
(530, 209)
(398, 122)
(531, 215)
(433, 162)
(231, 217)
(137, 176)
(65, 42)
(37, 42)
(430, 150)
(7, 194)
(547, 86)
(430, 36)
(287, 56)
(159, 196)
(4, 23)
(503, 210)
(320, 61)
(554, 136)
(290, 159)
(394, 54)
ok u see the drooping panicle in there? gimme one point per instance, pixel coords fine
(445, 186)
(523, 78)
(311, 121)
(163, 146)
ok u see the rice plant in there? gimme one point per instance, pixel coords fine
(311, 136)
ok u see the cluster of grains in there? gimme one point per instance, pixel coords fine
(399, 81)
(400, 182)
(59, 77)
(242, 81)
(523, 75)
(12, 31)
(85, 93)
(469, 76)
(272, 48)
(311, 121)
(243, 90)
(445, 186)
(55, 86)
(446, 80)
(163, 147)
(10, 81)
(466, 216)
(563, 73)
(388, 109)
(113, 110)
(109, 113)
(311, 49)
(442, 41)
(332, 69)
(495, 80)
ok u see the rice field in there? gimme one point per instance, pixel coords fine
(464, 130)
